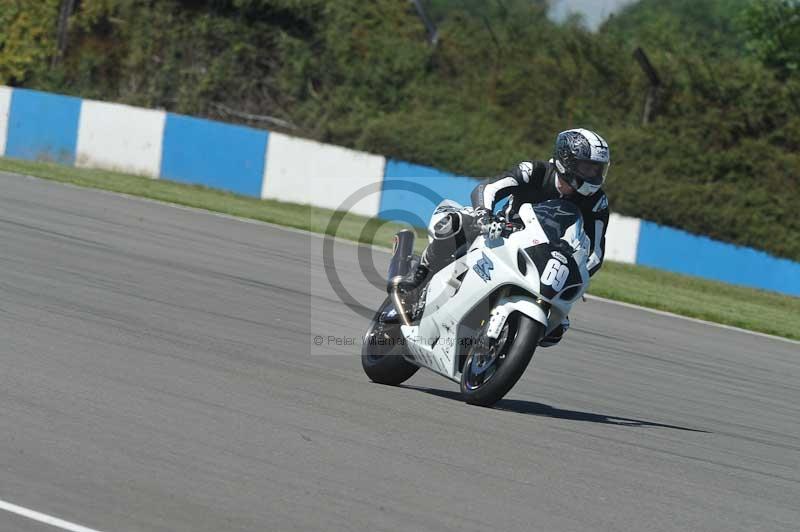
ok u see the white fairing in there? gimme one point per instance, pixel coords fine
(473, 282)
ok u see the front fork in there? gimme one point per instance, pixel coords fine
(535, 308)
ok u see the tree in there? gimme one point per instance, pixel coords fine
(27, 38)
(773, 27)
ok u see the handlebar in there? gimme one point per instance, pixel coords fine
(507, 227)
(512, 227)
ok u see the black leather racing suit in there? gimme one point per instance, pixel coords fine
(535, 182)
(529, 182)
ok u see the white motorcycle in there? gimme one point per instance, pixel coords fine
(479, 320)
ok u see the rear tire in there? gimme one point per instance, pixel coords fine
(485, 384)
(382, 351)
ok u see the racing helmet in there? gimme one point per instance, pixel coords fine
(582, 158)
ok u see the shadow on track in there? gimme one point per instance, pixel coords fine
(543, 410)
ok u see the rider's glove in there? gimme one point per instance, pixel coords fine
(483, 217)
(488, 224)
(495, 230)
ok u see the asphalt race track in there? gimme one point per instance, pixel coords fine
(159, 373)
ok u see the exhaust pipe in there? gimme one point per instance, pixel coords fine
(402, 252)
(399, 267)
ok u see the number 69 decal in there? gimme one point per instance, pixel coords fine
(555, 274)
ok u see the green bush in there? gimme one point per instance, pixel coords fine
(27, 38)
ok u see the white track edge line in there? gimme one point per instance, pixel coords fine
(384, 250)
(43, 518)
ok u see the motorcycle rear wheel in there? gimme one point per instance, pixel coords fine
(488, 374)
(382, 352)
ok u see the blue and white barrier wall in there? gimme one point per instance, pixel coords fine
(121, 138)
(308, 172)
(678, 251)
(5, 107)
(410, 193)
(253, 162)
(217, 155)
(42, 126)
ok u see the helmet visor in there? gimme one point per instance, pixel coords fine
(587, 189)
(591, 172)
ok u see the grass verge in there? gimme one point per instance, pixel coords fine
(756, 310)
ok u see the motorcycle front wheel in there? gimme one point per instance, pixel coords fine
(492, 368)
(382, 350)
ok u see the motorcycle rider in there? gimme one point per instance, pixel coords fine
(576, 172)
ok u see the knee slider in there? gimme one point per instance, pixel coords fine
(448, 226)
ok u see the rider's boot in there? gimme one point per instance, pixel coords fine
(447, 235)
(429, 263)
(556, 334)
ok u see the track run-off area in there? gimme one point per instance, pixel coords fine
(159, 371)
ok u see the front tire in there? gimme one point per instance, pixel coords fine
(382, 351)
(493, 368)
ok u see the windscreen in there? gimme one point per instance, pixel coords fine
(556, 216)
